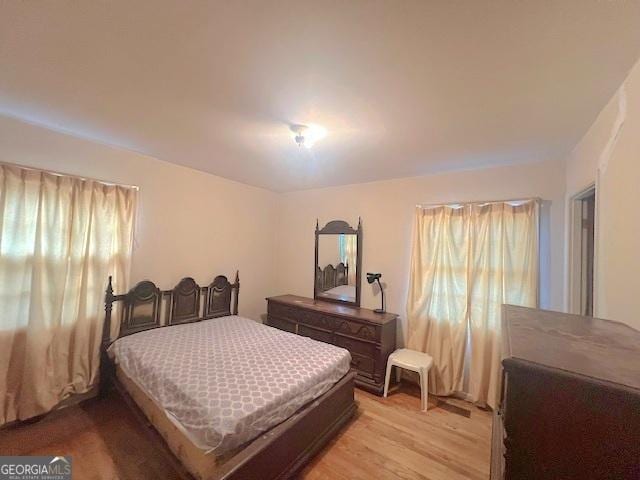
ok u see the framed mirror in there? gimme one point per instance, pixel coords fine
(338, 262)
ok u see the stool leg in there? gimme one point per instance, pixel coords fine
(398, 374)
(386, 378)
(424, 389)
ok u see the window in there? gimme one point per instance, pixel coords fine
(467, 261)
(60, 239)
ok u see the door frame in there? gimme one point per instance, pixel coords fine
(574, 250)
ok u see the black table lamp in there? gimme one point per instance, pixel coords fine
(373, 277)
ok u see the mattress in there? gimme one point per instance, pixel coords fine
(224, 381)
(343, 291)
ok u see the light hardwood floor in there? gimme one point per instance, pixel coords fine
(389, 439)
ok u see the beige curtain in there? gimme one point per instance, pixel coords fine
(60, 238)
(437, 301)
(348, 255)
(467, 261)
(503, 269)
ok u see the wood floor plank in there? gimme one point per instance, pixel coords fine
(388, 439)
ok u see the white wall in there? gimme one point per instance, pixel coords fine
(190, 223)
(609, 154)
(387, 210)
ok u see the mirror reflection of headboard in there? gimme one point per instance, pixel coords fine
(330, 277)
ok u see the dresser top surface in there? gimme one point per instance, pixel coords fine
(602, 349)
(330, 308)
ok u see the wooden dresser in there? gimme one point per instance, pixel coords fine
(370, 337)
(570, 406)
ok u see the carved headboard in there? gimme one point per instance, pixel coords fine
(145, 305)
(330, 277)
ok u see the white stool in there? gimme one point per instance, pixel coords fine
(415, 361)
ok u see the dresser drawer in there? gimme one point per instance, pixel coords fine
(356, 329)
(282, 324)
(314, 333)
(299, 315)
(364, 365)
(283, 311)
(315, 319)
(356, 346)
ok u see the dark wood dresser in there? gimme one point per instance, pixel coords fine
(370, 337)
(570, 405)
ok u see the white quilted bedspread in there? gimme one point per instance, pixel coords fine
(226, 380)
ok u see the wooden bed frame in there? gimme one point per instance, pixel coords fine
(279, 453)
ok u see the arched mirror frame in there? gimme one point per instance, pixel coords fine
(337, 227)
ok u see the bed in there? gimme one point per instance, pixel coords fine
(232, 399)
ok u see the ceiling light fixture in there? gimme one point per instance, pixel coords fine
(307, 135)
(299, 131)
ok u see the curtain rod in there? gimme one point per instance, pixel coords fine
(481, 202)
(59, 174)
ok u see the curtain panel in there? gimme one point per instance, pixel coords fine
(348, 246)
(466, 262)
(60, 239)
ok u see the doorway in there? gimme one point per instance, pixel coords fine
(583, 252)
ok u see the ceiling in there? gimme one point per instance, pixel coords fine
(403, 87)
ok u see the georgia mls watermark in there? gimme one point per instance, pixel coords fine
(35, 468)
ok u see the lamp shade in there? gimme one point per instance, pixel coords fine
(372, 277)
